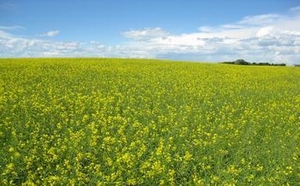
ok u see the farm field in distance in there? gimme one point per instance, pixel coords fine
(147, 122)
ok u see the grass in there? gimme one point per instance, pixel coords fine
(131, 121)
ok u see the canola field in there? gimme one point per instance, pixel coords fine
(147, 122)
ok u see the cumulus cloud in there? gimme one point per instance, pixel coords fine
(16, 46)
(264, 31)
(270, 37)
(51, 33)
(145, 34)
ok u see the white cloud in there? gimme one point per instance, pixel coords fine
(264, 31)
(4, 34)
(184, 39)
(145, 34)
(51, 33)
(11, 27)
(261, 20)
(15, 46)
(270, 37)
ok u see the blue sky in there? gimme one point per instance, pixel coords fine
(199, 30)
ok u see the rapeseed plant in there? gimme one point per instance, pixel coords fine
(135, 122)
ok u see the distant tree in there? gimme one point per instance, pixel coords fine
(228, 62)
(241, 62)
(264, 64)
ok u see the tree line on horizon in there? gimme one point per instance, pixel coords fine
(243, 62)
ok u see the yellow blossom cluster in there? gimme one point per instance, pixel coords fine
(147, 122)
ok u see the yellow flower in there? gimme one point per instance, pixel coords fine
(11, 149)
(188, 156)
